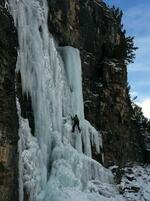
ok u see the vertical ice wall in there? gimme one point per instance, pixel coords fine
(41, 74)
(55, 86)
(73, 103)
(71, 58)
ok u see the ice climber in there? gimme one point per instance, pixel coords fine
(75, 123)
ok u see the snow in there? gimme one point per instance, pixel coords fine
(136, 183)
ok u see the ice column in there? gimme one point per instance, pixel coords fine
(41, 73)
(71, 58)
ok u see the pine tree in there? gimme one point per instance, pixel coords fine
(126, 49)
(129, 54)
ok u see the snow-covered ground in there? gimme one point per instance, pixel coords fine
(135, 184)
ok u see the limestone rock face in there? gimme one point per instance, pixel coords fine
(91, 27)
(8, 113)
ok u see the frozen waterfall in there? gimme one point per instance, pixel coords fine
(55, 159)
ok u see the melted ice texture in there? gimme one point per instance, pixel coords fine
(54, 164)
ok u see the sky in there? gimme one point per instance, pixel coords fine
(136, 21)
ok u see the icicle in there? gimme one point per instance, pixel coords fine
(20, 150)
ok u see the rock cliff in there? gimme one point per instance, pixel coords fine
(93, 28)
(90, 26)
(8, 113)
